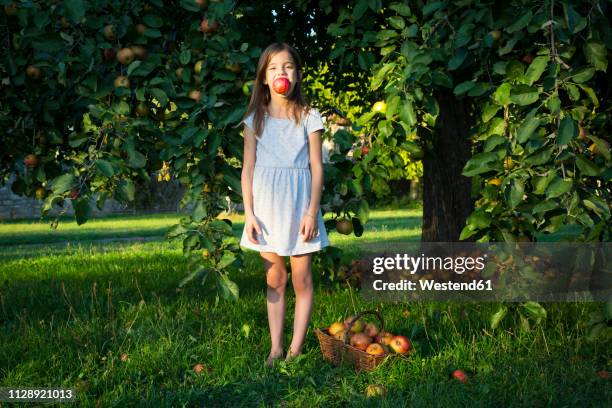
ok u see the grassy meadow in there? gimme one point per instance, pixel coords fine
(85, 307)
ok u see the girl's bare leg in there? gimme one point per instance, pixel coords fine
(301, 278)
(276, 278)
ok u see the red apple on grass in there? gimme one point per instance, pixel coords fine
(460, 375)
(400, 344)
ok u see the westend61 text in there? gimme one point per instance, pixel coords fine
(433, 285)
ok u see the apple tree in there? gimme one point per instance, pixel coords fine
(504, 100)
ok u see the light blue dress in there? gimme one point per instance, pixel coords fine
(281, 186)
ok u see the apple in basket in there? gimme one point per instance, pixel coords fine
(335, 328)
(384, 338)
(375, 349)
(340, 335)
(371, 330)
(357, 326)
(360, 341)
(400, 344)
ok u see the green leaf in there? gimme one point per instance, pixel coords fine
(601, 146)
(479, 219)
(363, 212)
(153, 20)
(524, 95)
(185, 57)
(586, 166)
(133, 66)
(536, 68)
(50, 201)
(567, 131)
(360, 9)
(583, 74)
(596, 54)
(63, 183)
(521, 23)
(539, 157)
(126, 190)
(514, 70)
(540, 183)
(229, 289)
(517, 190)
(201, 272)
(558, 187)
(397, 22)
(137, 160)
(591, 94)
(526, 129)
(431, 7)
(381, 75)
(489, 111)
(81, 210)
(535, 310)
(498, 316)
(160, 95)
(545, 206)
(75, 10)
(502, 94)
(105, 167)
(226, 260)
(175, 231)
(457, 59)
(392, 106)
(494, 141)
(199, 211)
(480, 163)
(464, 87)
(406, 113)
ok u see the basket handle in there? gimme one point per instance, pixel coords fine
(358, 316)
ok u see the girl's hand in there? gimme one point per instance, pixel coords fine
(252, 226)
(308, 227)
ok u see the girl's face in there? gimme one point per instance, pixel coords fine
(281, 65)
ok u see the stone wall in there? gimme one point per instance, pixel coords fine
(150, 197)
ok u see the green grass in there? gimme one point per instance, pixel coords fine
(69, 312)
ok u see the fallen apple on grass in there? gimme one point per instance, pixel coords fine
(460, 375)
(400, 344)
(375, 390)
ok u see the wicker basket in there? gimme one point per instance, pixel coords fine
(338, 351)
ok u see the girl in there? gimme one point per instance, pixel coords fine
(282, 179)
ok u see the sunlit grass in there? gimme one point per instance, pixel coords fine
(107, 319)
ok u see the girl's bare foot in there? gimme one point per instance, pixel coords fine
(291, 354)
(274, 355)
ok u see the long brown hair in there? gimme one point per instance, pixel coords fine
(260, 98)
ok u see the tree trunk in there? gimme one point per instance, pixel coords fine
(446, 193)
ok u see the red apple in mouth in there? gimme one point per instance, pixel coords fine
(281, 85)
